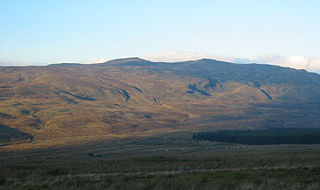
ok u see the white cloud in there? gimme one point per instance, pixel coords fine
(314, 65)
(175, 56)
(93, 61)
(266, 58)
(18, 64)
(297, 62)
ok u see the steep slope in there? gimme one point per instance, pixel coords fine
(63, 103)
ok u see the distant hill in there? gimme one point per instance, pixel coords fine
(64, 103)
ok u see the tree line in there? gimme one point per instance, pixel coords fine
(263, 137)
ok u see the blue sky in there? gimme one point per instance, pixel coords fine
(50, 31)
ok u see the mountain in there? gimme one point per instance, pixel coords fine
(74, 103)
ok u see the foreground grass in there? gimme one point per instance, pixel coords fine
(300, 178)
(277, 170)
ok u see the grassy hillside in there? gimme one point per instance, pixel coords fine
(74, 103)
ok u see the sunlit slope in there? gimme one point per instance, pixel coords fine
(63, 102)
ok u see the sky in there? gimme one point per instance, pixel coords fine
(37, 32)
